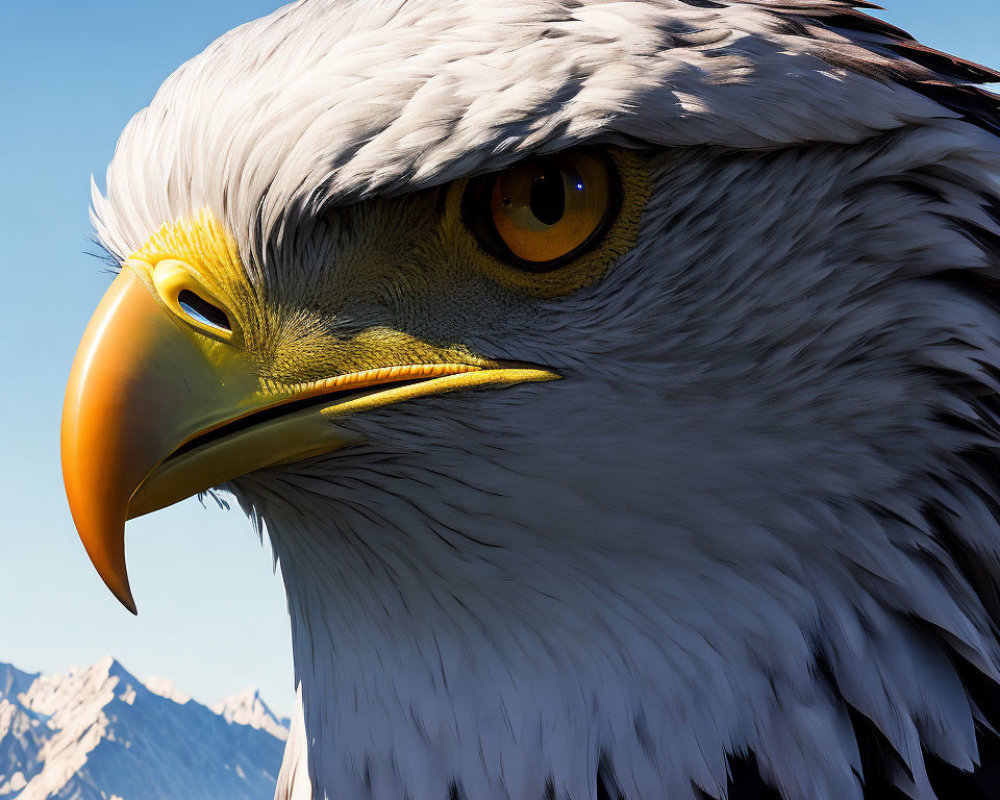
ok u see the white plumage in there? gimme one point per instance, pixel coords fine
(758, 514)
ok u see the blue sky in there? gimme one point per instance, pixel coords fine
(212, 613)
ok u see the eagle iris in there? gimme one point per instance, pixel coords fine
(544, 211)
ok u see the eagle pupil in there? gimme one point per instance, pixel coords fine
(548, 198)
(203, 311)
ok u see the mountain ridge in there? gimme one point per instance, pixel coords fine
(100, 733)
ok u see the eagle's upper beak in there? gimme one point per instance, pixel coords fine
(164, 402)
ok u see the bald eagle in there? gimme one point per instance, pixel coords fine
(616, 383)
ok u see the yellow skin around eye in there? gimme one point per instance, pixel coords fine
(585, 269)
(586, 196)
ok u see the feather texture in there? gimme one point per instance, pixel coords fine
(748, 547)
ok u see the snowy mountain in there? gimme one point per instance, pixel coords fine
(250, 709)
(102, 734)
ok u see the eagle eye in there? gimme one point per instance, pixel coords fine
(543, 212)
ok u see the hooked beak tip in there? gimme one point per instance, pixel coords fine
(125, 598)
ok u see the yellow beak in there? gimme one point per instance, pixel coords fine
(156, 410)
(140, 387)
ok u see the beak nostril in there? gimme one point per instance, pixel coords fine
(202, 311)
(191, 298)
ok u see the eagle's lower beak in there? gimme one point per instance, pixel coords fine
(159, 408)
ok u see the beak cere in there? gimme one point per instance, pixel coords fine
(160, 406)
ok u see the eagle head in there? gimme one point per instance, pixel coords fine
(616, 383)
